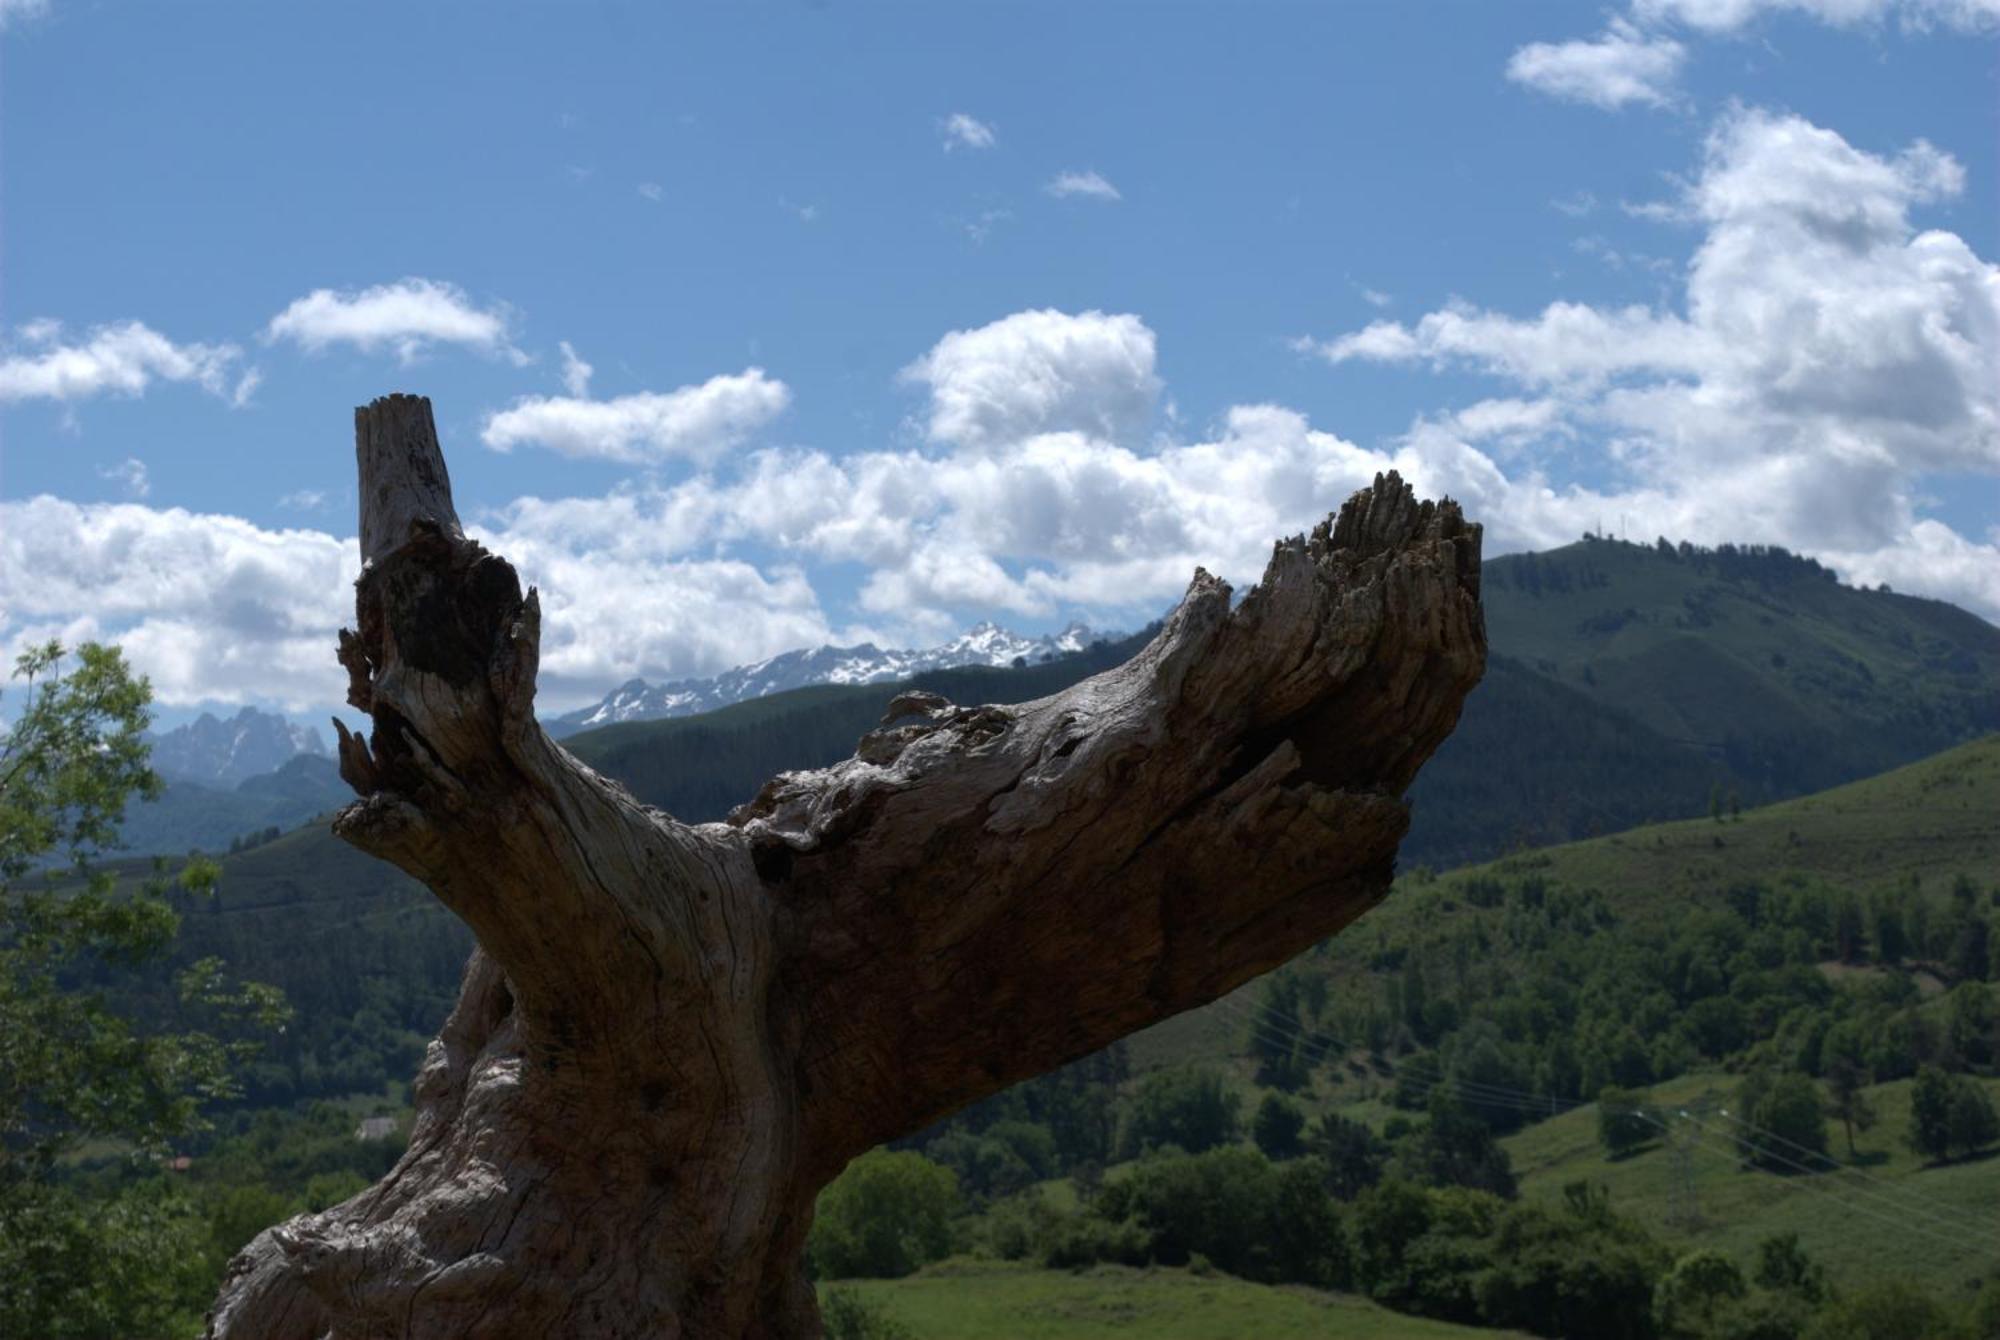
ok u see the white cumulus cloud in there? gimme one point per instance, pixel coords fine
(607, 617)
(1621, 65)
(1030, 525)
(121, 359)
(694, 421)
(211, 607)
(1826, 356)
(216, 609)
(1040, 371)
(1637, 60)
(407, 317)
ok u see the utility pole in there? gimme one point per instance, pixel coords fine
(1683, 1196)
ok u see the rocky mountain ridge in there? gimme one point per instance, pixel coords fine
(215, 752)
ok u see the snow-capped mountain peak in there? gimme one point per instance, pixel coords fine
(985, 643)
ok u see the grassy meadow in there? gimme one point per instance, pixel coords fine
(1885, 1213)
(961, 1299)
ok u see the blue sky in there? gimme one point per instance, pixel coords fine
(898, 317)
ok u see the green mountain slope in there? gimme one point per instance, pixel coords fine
(1535, 761)
(368, 959)
(1914, 854)
(1756, 656)
(1677, 958)
(1925, 823)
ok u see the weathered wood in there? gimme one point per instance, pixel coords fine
(402, 476)
(672, 1035)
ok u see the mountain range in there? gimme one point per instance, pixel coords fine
(233, 779)
(210, 751)
(1627, 683)
(865, 663)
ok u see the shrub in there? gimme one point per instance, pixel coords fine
(1235, 1208)
(1689, 1299)
(1949, 1115)
(887, 1214)
(1785, 1118)
(1018, 1228)
(1889, 1310)
(1352, 1155)
(1076, 1241)
(1571, 1275)
(1277, 1127)
(1190, 1109)
(1455, 1148)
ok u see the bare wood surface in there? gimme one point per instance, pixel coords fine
(672, 1035)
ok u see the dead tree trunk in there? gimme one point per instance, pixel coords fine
(672, 1035)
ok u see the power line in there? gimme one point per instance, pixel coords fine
(1835, 1167)
(1901, 1213)
(1957, 1241)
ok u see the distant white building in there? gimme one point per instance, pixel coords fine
(376, 1128)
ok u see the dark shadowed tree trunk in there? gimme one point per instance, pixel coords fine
(673, 1035)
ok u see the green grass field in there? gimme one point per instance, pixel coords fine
(1886, 1214)
(964, 1299)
